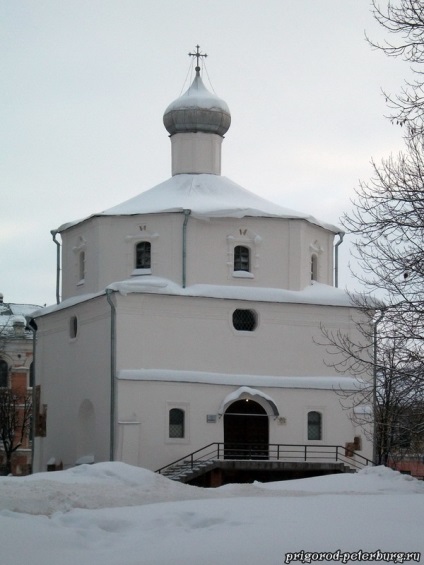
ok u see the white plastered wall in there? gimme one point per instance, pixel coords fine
(74, 373)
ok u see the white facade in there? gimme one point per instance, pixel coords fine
(191, 293)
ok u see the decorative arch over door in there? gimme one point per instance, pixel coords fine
(246, 430)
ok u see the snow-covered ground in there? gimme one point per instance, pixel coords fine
(115, 514)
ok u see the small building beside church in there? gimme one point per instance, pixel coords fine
(191, 315)
(16, 384)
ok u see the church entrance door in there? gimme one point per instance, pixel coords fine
(246, 431)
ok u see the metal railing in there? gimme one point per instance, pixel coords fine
(273, 452)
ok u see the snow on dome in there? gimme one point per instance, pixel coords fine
(207, 196)
(197, 110)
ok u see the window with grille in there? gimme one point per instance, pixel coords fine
(143, 255)
(244, 320)
(176, 422)
(314, 425)
(241, 258)
(4, 369)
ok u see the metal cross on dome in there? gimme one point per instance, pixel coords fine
(198, 54)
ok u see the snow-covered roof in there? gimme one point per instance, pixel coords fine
(206, 196)
(314, 294)
(318, 382)
(12, 315)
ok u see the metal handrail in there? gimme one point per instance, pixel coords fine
(272, 452)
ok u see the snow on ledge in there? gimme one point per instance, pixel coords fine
(315, 293)
(336, 382)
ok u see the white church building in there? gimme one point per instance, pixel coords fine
(190, 317)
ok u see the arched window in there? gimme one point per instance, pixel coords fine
(176, 422)
(314, 268)
(314, 425)
(143, 255)
(245, 320)
(241, 258)
(4, 370)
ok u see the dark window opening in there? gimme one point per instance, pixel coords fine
(241, 258)
(73, 327)
(82, 266)
(4, 370)
(143, 255)
(176, 423)
(314, 268)
(31, 375)
(314, 425)
(244, 320)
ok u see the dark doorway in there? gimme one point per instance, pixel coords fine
(245, 431)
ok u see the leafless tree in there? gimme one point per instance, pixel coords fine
(403, 22)
(387, 222)
(388, 402)
(15, 422)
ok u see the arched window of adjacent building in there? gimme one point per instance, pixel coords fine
(4, 370)
(31, 376)
(241, 258)
(314, 267)
(314, 425)
(176, 422)
(143, 255)
(81, 266)
(245, 320)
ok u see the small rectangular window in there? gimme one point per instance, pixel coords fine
(314, 426)
(176, 423)
(143, 255)
(241, 258)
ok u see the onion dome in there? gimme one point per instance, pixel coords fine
(197, 110)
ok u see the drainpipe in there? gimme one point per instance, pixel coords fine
(54, 234)
(374, 389)
(184, 266)
(336, 258)
(33, 327)
(109, 292)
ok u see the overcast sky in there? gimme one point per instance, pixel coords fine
(85, 84)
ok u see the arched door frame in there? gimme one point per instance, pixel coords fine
(246, 430)
(245, 392)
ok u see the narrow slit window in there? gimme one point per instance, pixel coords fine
(4, 370)
(73, 327)
(241, 258)
(31, 376)
(143, 255)
(314, 268)
(82, 265)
